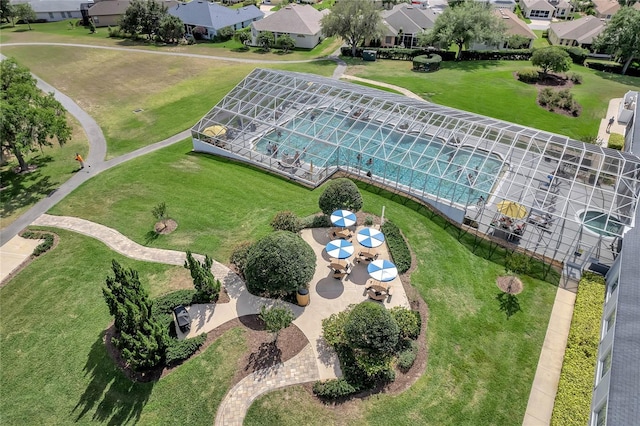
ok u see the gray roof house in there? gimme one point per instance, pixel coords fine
(579, 32)
(514, 26)
(55, 10)
(605, 9)
(301, 22)
(537, 9)
(213, 17)
(411, 19)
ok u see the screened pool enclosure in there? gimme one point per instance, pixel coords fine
(542, 192)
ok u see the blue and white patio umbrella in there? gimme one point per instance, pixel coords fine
(370, 237)
(343, 218)
(382, 270)
(339, 249)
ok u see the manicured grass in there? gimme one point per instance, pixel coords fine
(540, 41)
(174, 92)
(55, 369)
(489, 88)
(481, 365)
(55, 164)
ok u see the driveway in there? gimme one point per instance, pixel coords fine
(539, 24)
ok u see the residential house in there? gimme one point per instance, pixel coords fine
(537, 9)
(108, 12)
(404, 23)
(500, 4)
(212, 17)
(301, 22)
(605, 9)
(563, 8)
(55, 10)
(579, 32)
(514, 26)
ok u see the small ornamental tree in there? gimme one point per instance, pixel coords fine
(551, 59)
(276, 319)
(372, 329)
(266, 40)
(207, 287)
(340, 194)
(139, 336)
(242, 36)
(279, 263)
(160, 213)
(286, 43)
(24, 12)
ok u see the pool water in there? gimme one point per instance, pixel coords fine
(457, 174)
(597, 222)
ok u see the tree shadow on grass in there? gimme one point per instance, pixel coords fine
(150, 237)
(508, 304)
(22, 189)
(111, 397)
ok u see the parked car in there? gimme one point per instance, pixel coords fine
(182, 318)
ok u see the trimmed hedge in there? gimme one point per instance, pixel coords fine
(398, 247)
(286, 221)
(611, 67)
(397, 53)
(573, 400)
(427, 63)
(179, 350)
(407, 357)
(44, 246)
(495, 55)
(616, 141)
(333, 389)
(528, 75)
(164, 305)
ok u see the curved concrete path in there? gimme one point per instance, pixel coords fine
(402, 90)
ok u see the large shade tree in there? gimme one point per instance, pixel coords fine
(31, 119)
(355, 21)
(621, 36)
(143, 17)
(468, 22)
(24, 12)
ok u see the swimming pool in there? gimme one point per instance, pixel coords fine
(459, 174)
(601, 223)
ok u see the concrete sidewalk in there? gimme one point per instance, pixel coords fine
(13, 253)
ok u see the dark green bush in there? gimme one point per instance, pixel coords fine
(578, 54)
(165, 303)
(616, 141)
(496, 55)
(407, 357)
(408, 321)
(316, 221)
(179, 350)
(371, 328)
(429, 62)
(44, 246)
(279, 263)
(573, 400)
(286, 221)
(333, 389)
(239, 256)
(528, 75)
(333, 328)
(397, 246)
(339, 194)
(517, 263)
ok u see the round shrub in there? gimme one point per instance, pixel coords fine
(371, 328)
(408, 357)
(286, 221)
(528, 75)
(616, 141)
(333, 389)
(279, 263)
(408, 322)
(427, 63)
(340, 194)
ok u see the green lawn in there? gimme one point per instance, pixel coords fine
(54, 166)
(55, 369)
(174, 92)
(481, 365)
(489, 88)
(540, 41)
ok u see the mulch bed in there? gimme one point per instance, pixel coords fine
(555, 82)
(165, 227)
(509, 284)
(261, 352)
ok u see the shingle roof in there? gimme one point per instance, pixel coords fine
(45, 6)
(515, 25)
(294, 19)
(411, 19)
(583, 30)
(606, 7)
(538, 5)
(109, 7)
(212, 15)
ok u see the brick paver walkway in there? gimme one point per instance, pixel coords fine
(299, 369)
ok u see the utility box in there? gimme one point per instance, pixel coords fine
(369, 55)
